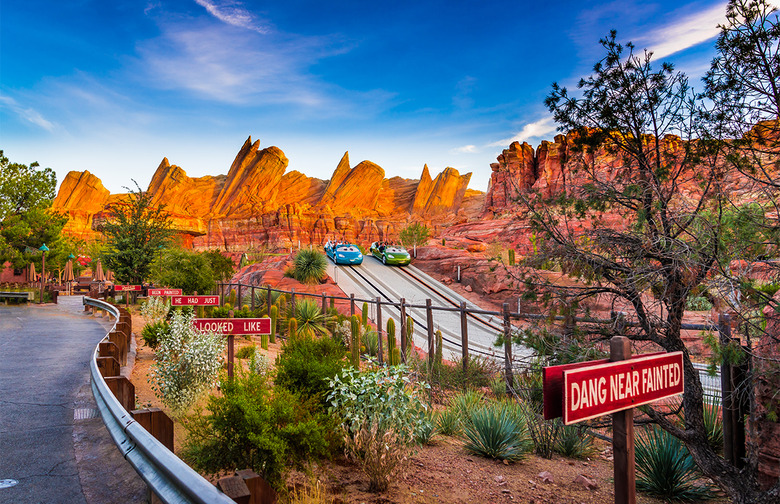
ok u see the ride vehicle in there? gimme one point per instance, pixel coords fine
(344, 253)
(390, 253)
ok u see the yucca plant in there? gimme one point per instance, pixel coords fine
(448, 422)
(464, 403)
(666, 469)
(309, 266)
(370, 340)
(426, 430)
(496, 431)
(311, 320)
(574, 442)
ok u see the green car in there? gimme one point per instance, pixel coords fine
(390, 254)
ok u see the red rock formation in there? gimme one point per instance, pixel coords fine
(81, 197)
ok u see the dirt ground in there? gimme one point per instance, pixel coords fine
(439, 473)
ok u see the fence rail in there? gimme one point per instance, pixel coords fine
(167, 476)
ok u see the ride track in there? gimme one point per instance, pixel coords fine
(392, 283)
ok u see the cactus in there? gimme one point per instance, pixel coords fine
(333, 303)
(245, 307)
(364, 314)
(232, 297)
(355, 343)
(228, 306)
(390, 339)
(409, 336)
(511, 257)
(395, 357)
(292, 328)
(443, 242)
(274, 318)
(264, 341)
(439, 351)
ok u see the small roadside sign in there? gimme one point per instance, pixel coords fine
(123, 288)
(194, 300)
(164, 292)
(234, 326)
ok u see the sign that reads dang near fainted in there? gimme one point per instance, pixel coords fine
(605, 388)
(194, 300)
(234, 325)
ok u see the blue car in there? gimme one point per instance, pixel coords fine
(344, 253)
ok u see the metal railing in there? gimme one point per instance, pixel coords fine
(167, 476)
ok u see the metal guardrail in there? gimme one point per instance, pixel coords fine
(167, 476)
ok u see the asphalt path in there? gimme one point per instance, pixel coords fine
(373, 279)
(53, 444)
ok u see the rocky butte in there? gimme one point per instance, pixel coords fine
(259, 202)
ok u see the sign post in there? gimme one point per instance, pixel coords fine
(615, 386)
(231, 327)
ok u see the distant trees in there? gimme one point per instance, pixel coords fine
(135, 232)
(414, 234)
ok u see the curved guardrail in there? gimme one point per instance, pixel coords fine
(167, 476)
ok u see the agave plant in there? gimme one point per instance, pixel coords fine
(311, 320)
(448, 422)
(309, 266)
(496, 431)
(666, 469)
(465, 403)
(573, 441)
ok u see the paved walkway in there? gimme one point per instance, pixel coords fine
(53, 443)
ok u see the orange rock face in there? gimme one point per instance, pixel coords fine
(81, 197)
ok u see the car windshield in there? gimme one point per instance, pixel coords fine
(347, 248)
(395, 250)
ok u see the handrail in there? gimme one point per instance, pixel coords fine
(167, 476)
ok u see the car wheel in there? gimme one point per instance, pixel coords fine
(384, 260)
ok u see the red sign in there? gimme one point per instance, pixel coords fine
(194, 300)
(605, 388)
(121, 288)
(234, 325)
(164, 292)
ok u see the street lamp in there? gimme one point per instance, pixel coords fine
(43, 249)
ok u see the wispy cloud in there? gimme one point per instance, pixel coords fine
(684, 33)
(537, 130)
(27, 114)
(466, 149)
(233, 13)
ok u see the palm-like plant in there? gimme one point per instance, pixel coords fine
(311, 320)
(666, 469)
(310, 266)
(496, 431)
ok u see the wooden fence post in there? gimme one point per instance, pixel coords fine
(351, 304)
(268, 301)
(253, 298)
(464, 336)
(123, 390)
(157, 423)
(623, 435)
(403, 330)
(240, 306)
(324, 304)
(379, 329)
(429, 320)
(508, 373)
(292, 302)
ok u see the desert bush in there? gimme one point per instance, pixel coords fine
(155, 309)
(304, 364)
(311, 320)
(383, 416)
(574, 442)
(448, 422)
(496, 430)
(698, 303)
(153, 333)
(309, 266)
(666, 469)
(479, 373)
(252, 425)
(544, 433)
(427, 429)
(259, 364)
(370, 340)
(465, 403)
(246, 352)
(187, 363)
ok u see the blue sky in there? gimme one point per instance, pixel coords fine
(114, 86)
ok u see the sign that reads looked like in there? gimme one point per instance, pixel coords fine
(122, 288)
(194, 300)
(164, 292)
(605, 388)
(234, 325)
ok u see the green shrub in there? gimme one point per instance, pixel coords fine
(465, 403)
(383, 416)
(309, 266)
(155, 332)
(246, 352)
(698, 303)
(304, 364)
(496, 431)
(249, 424)
(311, 320)
(479, 373)
(448, 422)
(574, 442)
(187, 363)
(354, 345)
(427, 430)
(666, 469)
(220, 311)
(155, 309)
(544, 433)
(370, 340)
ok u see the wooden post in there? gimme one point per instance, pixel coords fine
(108, 349)
(240, 306)
(230, 349)
(108, 366)
(253, 298)
(403, 330)
(157, 423)
(222, 294)
(235, 488)
(351, 304)
(292, 302)
(379, 329)
(508, 372)
(623, 435)
(324, 304)
(268, 301)
(464, 336)
(262, 492)
(429, 320)
(123, 390)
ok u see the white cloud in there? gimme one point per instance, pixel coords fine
(27, 114)
(232, 13)
(532, 131)
(466, 149)
(683, 33)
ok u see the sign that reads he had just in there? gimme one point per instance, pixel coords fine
(122, 288)
(164, 292)
(194, 300)
(605, 388)
(234, 325)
